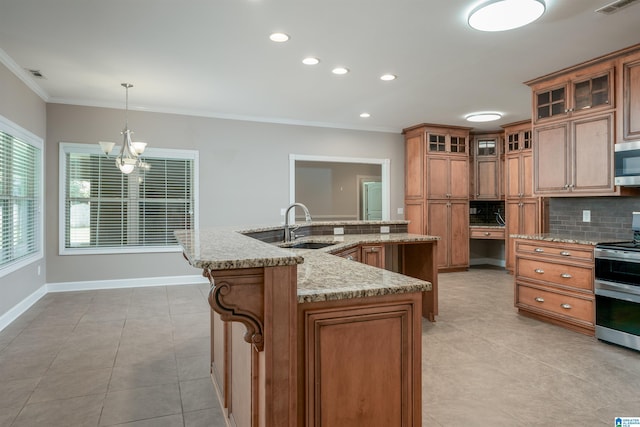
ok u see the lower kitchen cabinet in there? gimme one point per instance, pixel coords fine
(449, 219)
(373, 255)
(352, 353)
(554, 283)
(523, 216)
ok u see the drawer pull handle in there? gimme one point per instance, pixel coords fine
(565, 253)
(565, 306)
(566, 276)
(539, 299)
(539, 250)
(539, 271)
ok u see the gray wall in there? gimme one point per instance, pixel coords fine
(244, 174)
(26, 109)
(610, 216)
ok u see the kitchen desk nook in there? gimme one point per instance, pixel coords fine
(311, 337)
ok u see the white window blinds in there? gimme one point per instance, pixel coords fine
(106, 211)
(20, 198)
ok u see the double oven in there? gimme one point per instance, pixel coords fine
(617, 291)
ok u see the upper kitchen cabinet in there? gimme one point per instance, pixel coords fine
(629, 93)
(576, 112)
(518, 163)
(486, 166)
(574, 93)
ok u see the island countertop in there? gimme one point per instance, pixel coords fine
(320, 275)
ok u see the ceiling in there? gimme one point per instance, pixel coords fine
(213, 58)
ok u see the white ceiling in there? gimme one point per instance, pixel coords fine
(214, 58)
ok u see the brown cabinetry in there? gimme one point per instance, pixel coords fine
(352, 353)
(573, 93)
(489, 233)
(577, 113)
(486, 164)
(372, 255)
(437, 189)
(524, 212)
(575, 157)
(554, 282)
(629, 94)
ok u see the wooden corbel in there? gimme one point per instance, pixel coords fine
(238, 296)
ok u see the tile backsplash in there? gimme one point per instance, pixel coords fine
(483, 212)
(610, 216)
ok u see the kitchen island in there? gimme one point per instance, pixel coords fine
(303, 337)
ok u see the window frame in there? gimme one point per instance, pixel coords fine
(152, 152)
(17, 132)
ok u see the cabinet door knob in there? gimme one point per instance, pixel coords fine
(539, 299)
(565, 306)
(565, 253)
(539, 250)
(566, 276)
(539, 271)
(350, 257)
(486, 233)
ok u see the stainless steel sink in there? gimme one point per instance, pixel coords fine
(311, 245)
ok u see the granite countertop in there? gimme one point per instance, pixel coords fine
(582, 238)
(321, 276)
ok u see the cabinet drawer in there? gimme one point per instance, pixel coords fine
(558, 250)
(556, 274)
(486, 233)
(557, 303)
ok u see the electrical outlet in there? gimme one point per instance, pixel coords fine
(400, 211)
(338, 230)
(384, 229)
(283, 211)
(586, 216)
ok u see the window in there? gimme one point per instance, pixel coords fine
(20, 197)
(106, 211)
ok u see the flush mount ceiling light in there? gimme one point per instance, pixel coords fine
(388, 77)
(483, 117)
(365, 115)
(340, 70)
(501, 15)
(310, 61)
(279, 37)
(128, 159)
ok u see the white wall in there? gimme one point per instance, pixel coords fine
(244, 174)
(27, 110)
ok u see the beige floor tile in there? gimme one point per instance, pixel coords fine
(148, 373)
(193, 367)
(7, 415)
(74, 359)
(197, 394)
(74, 384)
(138, 404)
(77, 412)
(16, 393)
(212, 417)
(168, 421)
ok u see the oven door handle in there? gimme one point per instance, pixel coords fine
(610, 292)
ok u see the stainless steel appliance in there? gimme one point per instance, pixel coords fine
(627, 163)
(617, 289)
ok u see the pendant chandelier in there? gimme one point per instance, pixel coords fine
(128, 158)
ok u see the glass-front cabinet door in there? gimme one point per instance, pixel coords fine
(551, 103)
(591, 93)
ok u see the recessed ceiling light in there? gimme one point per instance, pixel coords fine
(340, 70)
(483, 117)
(365, 115)
(311, 61)
(279, 37)
(388, 77)
(501, 15)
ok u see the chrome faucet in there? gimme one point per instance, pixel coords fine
(287, 230)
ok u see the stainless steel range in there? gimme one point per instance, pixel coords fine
(617, 289)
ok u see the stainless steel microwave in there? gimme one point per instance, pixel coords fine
(627, 164)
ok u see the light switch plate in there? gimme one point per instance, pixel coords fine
(400, 211)
(384, 229)
(338, 230)
(586, 216)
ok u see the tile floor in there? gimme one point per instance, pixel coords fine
(139, 357)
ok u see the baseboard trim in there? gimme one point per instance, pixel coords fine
(13, 313)
(7, 318)
(91, 285)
